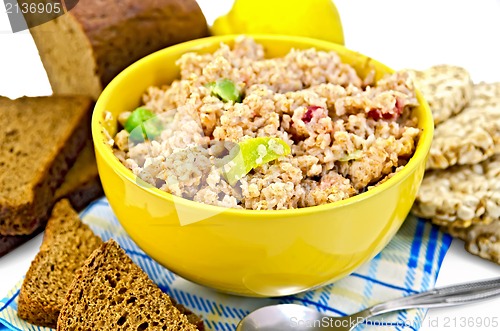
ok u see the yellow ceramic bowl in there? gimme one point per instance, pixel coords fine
(246, 252)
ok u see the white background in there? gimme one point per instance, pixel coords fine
(400, 33)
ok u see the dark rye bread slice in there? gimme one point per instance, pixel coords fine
(111, 292)
(81, 186)
(87, 47)
(40, 139)
(67, 243)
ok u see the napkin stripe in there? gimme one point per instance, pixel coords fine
(139, 254)
(325, 295)
(309, 295)
(372, 270)
(447, 239)
(194, 300)
(99, 202)
(413, 260)
(376, 281)
(9, 301)
(415, 246)
(431, 250)
(204, 307)
(430, 268)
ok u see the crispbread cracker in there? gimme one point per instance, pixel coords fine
(457, 229)
(484, 240)
(471, 136)
(463, 195)
(446, 88)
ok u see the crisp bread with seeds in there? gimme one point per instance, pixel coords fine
(484, 94)
(484, 240)
(447, 89)
(471, 136)
(462, 196)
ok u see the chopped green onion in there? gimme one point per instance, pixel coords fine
(142, 124)
(252, 153)
(225, 90)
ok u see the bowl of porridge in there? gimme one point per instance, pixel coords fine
(261, 165)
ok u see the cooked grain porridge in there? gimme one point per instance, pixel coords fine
(331, 134)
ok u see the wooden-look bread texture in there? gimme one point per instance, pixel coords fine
(85, 48)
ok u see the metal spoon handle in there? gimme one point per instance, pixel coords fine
(441, 297)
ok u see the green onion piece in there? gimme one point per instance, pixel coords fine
(252, 153)
(225, 90)
(146, 120)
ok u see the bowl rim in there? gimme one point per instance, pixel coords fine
(99, 139)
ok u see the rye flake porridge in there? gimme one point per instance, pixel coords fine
(239, 130)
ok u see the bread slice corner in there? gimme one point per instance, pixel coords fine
(67, 243)
(111, 292)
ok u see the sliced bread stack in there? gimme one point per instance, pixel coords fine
(81, 186)
(40, 139)
(77, 283)
(38, 155)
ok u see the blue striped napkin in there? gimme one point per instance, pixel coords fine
(409, 264)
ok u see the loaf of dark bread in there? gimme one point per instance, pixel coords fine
(87, 47)
(111, 292)
(67, 243)
(40, 138)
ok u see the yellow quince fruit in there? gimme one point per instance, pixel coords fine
(310, 18)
